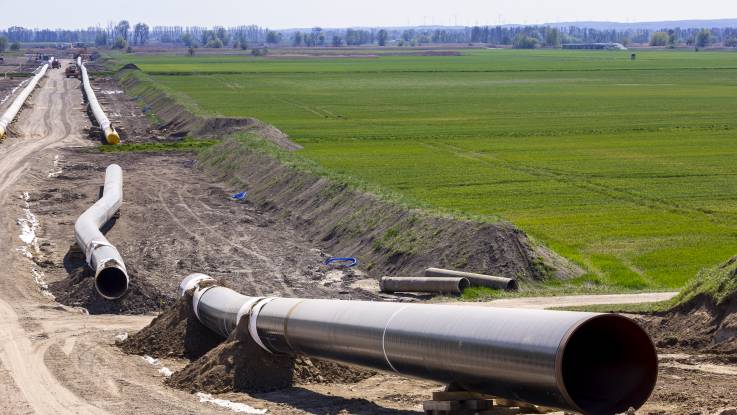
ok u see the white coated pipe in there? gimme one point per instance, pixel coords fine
(17, 104)
(111, 276)
(111, 136)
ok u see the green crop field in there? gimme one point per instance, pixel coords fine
(628, 168)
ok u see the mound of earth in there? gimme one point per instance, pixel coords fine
(705, 319)
(141, 298)
(236, 364)
(176, 332)
(79, 290)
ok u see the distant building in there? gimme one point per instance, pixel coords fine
(595, 46)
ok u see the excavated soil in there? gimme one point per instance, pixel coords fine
(175, 220)
(235, 364)
(697, 326)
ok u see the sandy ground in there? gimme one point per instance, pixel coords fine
(57, 359)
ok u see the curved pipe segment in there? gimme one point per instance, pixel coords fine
(111, 276)
(586, 362)
(111, 136)
(17, 104)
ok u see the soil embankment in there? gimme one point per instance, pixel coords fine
(389, 239)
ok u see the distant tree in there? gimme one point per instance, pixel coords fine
(337, 41)
(382, 36)
(187, 39)
(190, 51)
(672, 38)
(15, 46)
(3, 43)
(731, 42)
(659, 39)
(222, 34)
(120, 43)
(552, 37)
(140, 34)
(122, 29)
(703, 38)
(243, 42)
(273, 37)
(297, 38)
(101, 39)
(522, 41)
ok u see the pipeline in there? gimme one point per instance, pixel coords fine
(17, 104)
(479, 280)
(596, 364)
(111, 136)
(111, 276)
(447, 285)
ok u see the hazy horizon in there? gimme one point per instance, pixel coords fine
(332, 13)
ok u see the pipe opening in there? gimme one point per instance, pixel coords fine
(111, 283)
(512, 285)
(609, 364)
(463, 283)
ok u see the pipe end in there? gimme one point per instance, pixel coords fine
(112, 137)
(608, 365)
(111, 282)
(191, 281)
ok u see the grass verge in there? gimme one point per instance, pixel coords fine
(188, 144)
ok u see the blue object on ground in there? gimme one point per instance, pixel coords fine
(349, 262)
(240, 196)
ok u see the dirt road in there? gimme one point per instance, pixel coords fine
(55, 359)
(578, 300)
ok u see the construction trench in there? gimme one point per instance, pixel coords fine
(66, 337)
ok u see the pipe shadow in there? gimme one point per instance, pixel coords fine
(319, 404)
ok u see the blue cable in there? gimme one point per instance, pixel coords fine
(352, 261)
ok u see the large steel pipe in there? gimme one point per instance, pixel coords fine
(453, 285)
(111, 136)
(111, 276)
(480, 280)
(585, 362)
(17, 104)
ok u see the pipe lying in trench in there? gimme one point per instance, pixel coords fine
(111, 276)
(585, 362)
(452, 285)
(479, 280)
(111, 136)
(17, 104)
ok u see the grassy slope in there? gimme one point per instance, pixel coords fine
(624, 166)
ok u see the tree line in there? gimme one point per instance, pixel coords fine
(124, 34)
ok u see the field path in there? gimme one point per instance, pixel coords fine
(577, 300)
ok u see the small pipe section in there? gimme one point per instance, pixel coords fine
(476, 280)
(442, 285)
(596, 364)
(111, 136)
(111, 276)
(17, 104)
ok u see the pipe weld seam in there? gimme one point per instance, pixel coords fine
(286, 323)
(93, 245)
(383, 337)
(253, 320)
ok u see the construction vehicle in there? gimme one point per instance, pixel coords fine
(71, 71)
(56, 64)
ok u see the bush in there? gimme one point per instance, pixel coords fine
(659, 39)
(260, 52)
(120, 43)
(3, 43)
(731, 42)
(216, 43)
(15, 46)
(522, 41)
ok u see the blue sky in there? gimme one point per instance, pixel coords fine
(282, 14)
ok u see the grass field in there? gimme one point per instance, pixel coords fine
(626, 167)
